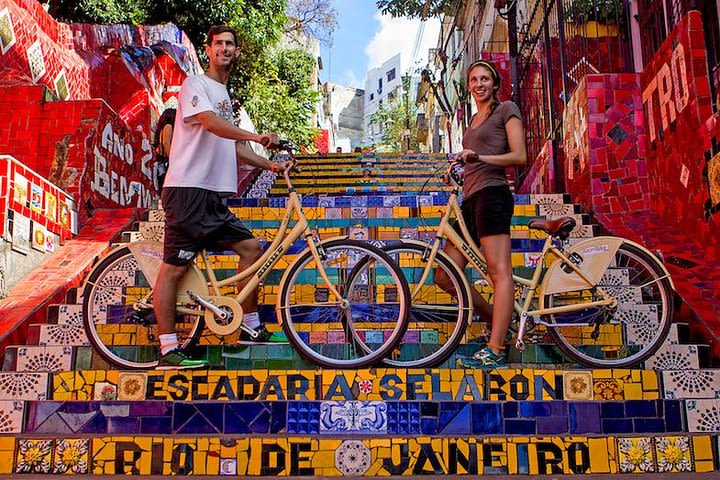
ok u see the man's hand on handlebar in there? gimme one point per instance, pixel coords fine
(269, 140)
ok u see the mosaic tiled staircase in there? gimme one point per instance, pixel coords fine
(263, 411)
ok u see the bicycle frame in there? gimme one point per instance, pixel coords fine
(282, 242)
(477, 260)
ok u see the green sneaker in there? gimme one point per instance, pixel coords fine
(178, 360)
(263, 337)
(484, 358)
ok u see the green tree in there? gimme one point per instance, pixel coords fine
(417, 8)
(397, 124)
(283, 100)
(257, 77)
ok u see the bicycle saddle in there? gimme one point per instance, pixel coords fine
(560, 227)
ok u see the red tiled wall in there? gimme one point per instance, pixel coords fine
(54, 217)
(678, 113)
(541, 178)
(604, 165)
(32, 26)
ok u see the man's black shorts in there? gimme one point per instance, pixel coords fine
(195, 219)
(488, 212)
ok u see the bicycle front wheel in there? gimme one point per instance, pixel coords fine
(357, 330)
(122, 332)
(439, 316)
(627, 334)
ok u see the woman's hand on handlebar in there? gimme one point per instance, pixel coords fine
(281, 166)
(466, 156)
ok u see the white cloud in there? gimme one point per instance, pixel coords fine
(397, 35)
(350, 79)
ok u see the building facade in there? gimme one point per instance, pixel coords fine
(382, 86)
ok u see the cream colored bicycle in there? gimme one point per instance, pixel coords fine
(607, 301)
(323, 311)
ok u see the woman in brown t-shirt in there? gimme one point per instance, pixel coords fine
(494, 140)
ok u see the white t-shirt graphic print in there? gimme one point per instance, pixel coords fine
(199, 158)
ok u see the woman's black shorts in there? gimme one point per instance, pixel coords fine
(488, 212)
(195, 219)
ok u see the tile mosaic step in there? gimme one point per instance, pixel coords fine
(552, 201)
(104, 416)
(703, 415)
(377, 384)
(675, 357)
(24, 386)
(54, 334)
(334, 456)
(65, 314)
(53, 359)
(695, 384)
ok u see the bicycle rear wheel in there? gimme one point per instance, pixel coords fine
(438, 320)
(123, 335)
(631, 332)
(356, 331)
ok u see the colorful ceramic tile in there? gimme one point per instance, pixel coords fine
(353, 417)
(7, 31)
(44, 359)
(23, 386)
(70, 314)
(703, 383)
(63, 334)
(71, 456)
(11, 416)
(353, 458)
(635, 455)
(104, 391)
(34, 456)
(674, 357)
(703, 415)
(578, 385)
(674, 454)
(132, 385)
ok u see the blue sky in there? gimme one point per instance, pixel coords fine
(364, 39)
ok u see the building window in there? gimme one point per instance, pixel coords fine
(379, 91)
(391, 96)
(372, 97)
(652, 20)
(391, 75)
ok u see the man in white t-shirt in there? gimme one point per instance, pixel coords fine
(203, 168)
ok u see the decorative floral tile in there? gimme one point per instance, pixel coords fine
(352, 458)
(71, 456)
(131, 386)
(33, 456)
(608, 389)
(673, 454)
(577, 385)
(703, 415)
(23, 386)
(36, 61)
(44, 359)
(353, 416)
(104, 391)
(635, 455)
(7, 32)
(691, 383)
